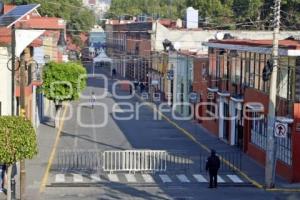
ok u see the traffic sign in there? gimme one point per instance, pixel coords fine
(193, 97)
(281, 130)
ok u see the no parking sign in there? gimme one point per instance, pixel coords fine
(281, 130)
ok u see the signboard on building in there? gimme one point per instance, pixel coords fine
(281, 130)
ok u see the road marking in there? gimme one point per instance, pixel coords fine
(182, 178)
(52, 155)
(147, 178)
(235, 178)
(165, 178)
(59, 178)
(220, 179)
(130, 178)
(77, 178)
(113, 178)
(95, 178)
(200, 178)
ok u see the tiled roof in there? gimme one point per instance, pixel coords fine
(44, 23)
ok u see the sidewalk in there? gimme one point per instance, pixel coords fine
(35, 168)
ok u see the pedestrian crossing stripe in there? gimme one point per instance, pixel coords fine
(235, 178)
(113, 178)
(95, 178)
(182, 178)
(130, 178)
(220, 179)
(59, 178)
(200, 178)
(145, 178)
(148, 178)
(77, 178)
(165, 178)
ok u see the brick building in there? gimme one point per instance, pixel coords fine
(233, 81)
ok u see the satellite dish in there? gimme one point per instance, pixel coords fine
(177, 45)
(219, 36)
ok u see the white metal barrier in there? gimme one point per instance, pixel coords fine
(135, 161)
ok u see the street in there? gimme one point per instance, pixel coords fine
(144, 133)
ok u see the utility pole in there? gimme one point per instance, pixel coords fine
(22, 113)
(13, 67)
(270, 169)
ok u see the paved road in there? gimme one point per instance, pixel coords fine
(141, 133)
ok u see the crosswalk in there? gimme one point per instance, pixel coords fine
(143, 178)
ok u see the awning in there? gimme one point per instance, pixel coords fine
(25, 38)
(102, 57)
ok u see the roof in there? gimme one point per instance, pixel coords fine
(44, 23)
(8, 7)
(33, 22)
(290, 44)
(286, 47)
(192, 53)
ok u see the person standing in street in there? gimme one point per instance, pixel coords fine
(93, 99)
(114, 73)
(212, 166)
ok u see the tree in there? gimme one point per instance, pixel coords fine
(63, 82)
(17, 142)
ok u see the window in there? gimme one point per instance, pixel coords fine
(284, 79)
(257, 71)
(238, 72)
(259, 131)
(247, 69)
(259, 138)
(233, 69)
(284, 149)
(262, 63)
(211, 109)
(225, 67)
(251, 70)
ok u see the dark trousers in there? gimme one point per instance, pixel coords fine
(213, 179)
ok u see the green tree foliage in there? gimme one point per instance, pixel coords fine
(79, 19)
(63, 81)
(17, 139)
(17, 142)
(220, 14)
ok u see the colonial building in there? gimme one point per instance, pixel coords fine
(239, 96)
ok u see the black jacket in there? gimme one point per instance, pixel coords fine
(213, 163)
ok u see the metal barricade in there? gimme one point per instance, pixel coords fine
(134, 161)
(180, 161)
(78, 160)
(231, 161)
